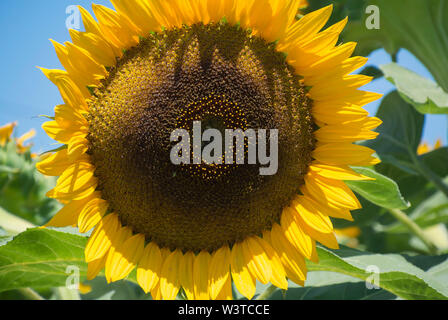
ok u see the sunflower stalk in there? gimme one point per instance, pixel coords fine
(30, 294)
(267, 293)
(415, 229)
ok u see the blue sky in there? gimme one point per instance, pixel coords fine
(26, 26)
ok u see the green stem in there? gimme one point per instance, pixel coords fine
(13, 224)
(414, 228)
(30, 294)
(67, 294)
(267, 293)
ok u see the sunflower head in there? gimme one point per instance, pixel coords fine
(6, 133)
(150, 67)
(22, 147)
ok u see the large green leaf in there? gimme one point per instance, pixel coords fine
(437, 160)
(440, 272)
(382, 191)
(418, 26)
(396, 274)
(400, 133)
(325, 285)
(39, 258)
(424, 94)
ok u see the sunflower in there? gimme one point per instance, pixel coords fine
(150, 66)
(425, 147)
(6, 132)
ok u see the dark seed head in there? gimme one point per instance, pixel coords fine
(226, 78)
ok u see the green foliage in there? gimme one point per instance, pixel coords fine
(39, 258)
(382, 191)
(22, 188)
(418, 26)
(425, 95)
(400, 133)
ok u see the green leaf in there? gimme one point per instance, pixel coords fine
(431, 211)
(38, 258)
(419, 26)
(440, 272)
(372, 71)
(424, 94)
(437, 160)
(382, 191)
(396, 274)
(324, 285)
(400, 133)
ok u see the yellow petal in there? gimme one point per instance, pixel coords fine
(116, 28)
(55, 164)
(126, 257)
(149, 267)
(115, 254)
(305, 28)
(347, 66)
(337, 87)
(138, 12)
(92, 214)
(70, 92)
(76, 178)
(327, 239)
(346, 133)
(186, 274)
(341, 172)
(259, 263)
(68, 215)
(338, 115)
(86, 68)
(200, 275)
(70, 119)
(326, 209)
(101, 239)
(6, 133)
(342, 153)
(331, 191)
(95, 267)
(295, 234)
(61, 134)
(77, 147)
(278, 277)
(156, 293)
(242, 278)
(169, 279)
(219, 270)
(292, 261)
(98, 48)
(226, 291)
(311, 215)
(333, 59)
